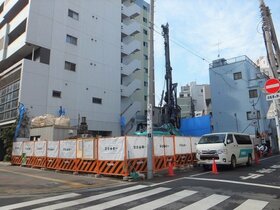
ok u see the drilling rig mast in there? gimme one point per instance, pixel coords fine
(170, 111)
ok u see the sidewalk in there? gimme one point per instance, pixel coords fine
(17, 181)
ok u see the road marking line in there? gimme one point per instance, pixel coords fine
(252, 204)
(38, 201)
(126, 199)
(208, 172)
(206, 203)
(234, 182)
(165, 200)
(91, 198)
(73, 184)
(173, 180)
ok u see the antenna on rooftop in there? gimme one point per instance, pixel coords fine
(218, 44)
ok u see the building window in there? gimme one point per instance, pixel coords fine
(146, 70)
(253, 93)
(146, 57)
(201, 90)
(9, 101)
(145, 98)
(145, 8)
(56, 94)
(237, 75)
(145, 20)
(70, 66)
(71, 39)
(96, 100)
(145, 83)
(253, 115)
(73, 14)
(145, 31)
(145, 44)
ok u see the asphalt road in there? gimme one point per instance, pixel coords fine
(256, 187)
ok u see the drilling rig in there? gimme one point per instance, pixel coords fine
(171, 112)
(273, 55)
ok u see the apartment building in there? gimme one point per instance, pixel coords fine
(74, 54)
(238, 100)
(134, 69)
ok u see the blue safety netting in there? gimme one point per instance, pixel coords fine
(196, 126)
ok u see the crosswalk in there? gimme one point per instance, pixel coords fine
(138, 197)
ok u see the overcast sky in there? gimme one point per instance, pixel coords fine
(198, 26)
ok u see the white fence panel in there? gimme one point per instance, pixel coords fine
(136, 147)
(194, 141)
(111, 148)
(28, 148)
(163, 145)
(17, 149)
(88, 148)
(68, 149)
(52, 149)
(40, 149)
(182, 145)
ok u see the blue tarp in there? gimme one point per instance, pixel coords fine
(196, 126)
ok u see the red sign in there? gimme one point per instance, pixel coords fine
(272, 86)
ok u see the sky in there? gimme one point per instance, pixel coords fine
(200, 30)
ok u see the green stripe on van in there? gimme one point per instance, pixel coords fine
(245, 152)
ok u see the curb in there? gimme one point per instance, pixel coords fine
(4, 163)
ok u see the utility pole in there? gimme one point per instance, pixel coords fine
(150, 97)
(273, 54)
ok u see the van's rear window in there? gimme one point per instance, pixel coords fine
(212, 139)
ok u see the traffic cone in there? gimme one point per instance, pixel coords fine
(170, 170)
(257, 161)
(214, 167)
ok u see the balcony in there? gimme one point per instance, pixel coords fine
(127, 69)
(131, 11)
(131, 110)
(127, 91)
(130, 28)
(131, 47)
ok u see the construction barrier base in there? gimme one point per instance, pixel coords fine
(16, 160)
(86, 166)
(39, 162)
(112, 167)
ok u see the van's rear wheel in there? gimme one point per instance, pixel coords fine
(249, 161)
(233, 162)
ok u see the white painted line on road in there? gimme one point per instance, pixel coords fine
(208, 172)
(126, 199)
(38, 201)
(206, 203)
(165, 200)
(91, 198)
(252, 204)
(269, 157)
(160, 183)
(234, 182)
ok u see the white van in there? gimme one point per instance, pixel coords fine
(226, 148)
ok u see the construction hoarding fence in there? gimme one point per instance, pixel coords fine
(116, 156)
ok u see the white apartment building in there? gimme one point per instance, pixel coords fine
(67, 53)
(134, 69)
(195, 100)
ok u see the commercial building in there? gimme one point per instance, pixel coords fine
(194, 100)
(78, 55)
(238, 99)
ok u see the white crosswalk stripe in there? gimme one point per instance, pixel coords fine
(206, 203)
(38, 201)
(126, 199)
(252, 204)
(162, 197)
(91, 198)
(165, 200)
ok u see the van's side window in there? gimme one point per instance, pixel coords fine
(229, 138)
(243, 139)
